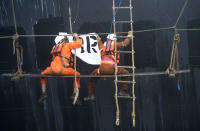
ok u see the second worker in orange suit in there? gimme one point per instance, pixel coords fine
(62, 61)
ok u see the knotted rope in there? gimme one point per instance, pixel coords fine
(75, 76)
(171, 70)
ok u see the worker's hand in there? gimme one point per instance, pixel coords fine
(75, 35)
(66, 64)
(130, 33)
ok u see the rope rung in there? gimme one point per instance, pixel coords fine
(123, 7)
(119, 22)
(125, 97)
(130, 67)
(120, 81)
(126, 52)
(122, 37)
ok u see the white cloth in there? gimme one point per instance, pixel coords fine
(89, 52)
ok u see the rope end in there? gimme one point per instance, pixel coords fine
(117, 122)
(76, 96)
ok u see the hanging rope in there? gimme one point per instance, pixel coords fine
(70, 17)
(171, 71)
(133, 68)
(17, 48)
(75, 76)
(77, 12)
(14, 17)
(117, 121)
(174, 54)
(180, 14)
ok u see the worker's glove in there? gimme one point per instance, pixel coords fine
(130, 34)
(75, 36)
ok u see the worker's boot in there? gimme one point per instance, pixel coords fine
(43, 97)
(90, 97)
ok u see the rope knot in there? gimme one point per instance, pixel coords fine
(15, 37)
(177, 37)
(171, 72)
(117, 122)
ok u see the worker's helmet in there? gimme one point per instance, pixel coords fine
(58, 39)
(111, 37)
(63, 35)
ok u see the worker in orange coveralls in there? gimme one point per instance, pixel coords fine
(107, 66)
(62, 61)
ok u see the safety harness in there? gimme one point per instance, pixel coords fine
(56, 51)
(109, 48)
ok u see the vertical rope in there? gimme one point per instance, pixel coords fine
(133, 68)
(17, 46)
(14, 17)
(75, 76)
(172, 56)
(117, 122)
(171, 71)
(177, 40)
(182, 10)
(70, 17)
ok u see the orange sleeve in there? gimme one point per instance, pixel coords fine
(76, 44)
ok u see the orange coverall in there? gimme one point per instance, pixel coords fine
(57, 67)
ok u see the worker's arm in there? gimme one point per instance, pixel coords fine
(100, 43)
(126, 41)
(77, 43)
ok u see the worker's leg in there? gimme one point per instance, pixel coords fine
(93, 81)
(47, 71)
(92, 85)
(43, 82)
(71, 71)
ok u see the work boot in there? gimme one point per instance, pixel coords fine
(123, 93)
(43, 97)
(90, 97)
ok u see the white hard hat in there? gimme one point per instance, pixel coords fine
(111, 37)
(69, 36)
(58, 39)
(62, 36)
